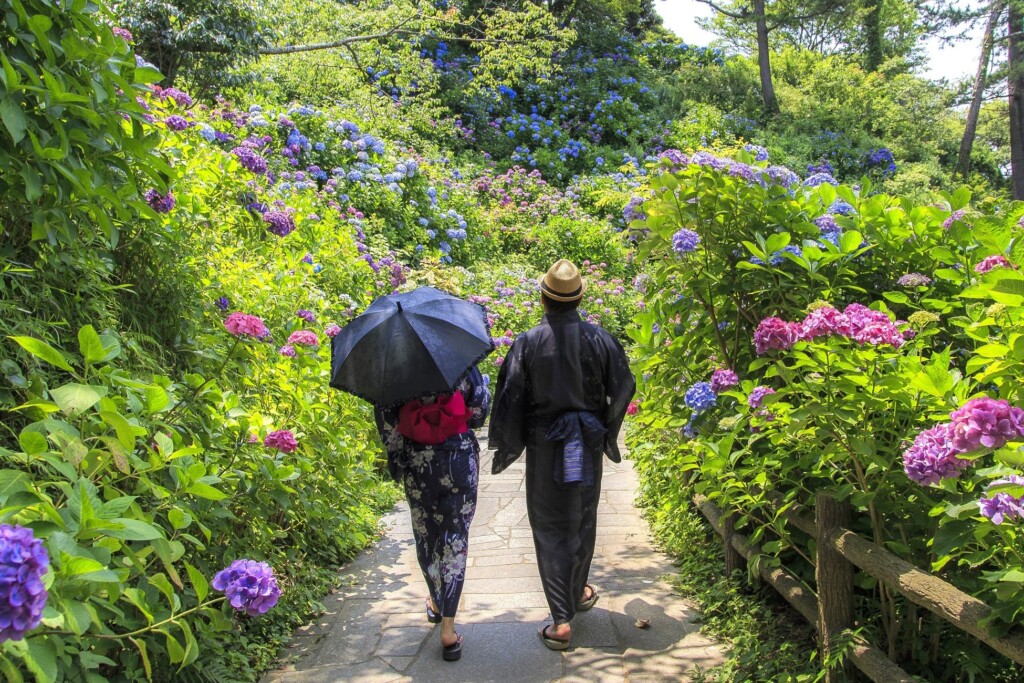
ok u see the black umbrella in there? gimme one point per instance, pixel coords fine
(406, 346)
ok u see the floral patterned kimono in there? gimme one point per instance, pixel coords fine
(440, 484)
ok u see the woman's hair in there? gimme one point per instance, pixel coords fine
(559, 306)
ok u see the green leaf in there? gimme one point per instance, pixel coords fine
(199, 582)
(14, 118)
(132, 530)
(125, 431)
(850, 241)
(41, 659)
(74, 399)
(205, 491)
(90, 346)
(32, 442)
(43, 351)
(156, 399)
(175, 651)
(11, 482)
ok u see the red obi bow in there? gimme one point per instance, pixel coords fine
(432, 423)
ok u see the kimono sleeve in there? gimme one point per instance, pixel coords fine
(620, 385)
(507, 433)
(478, 397)
(387, 426)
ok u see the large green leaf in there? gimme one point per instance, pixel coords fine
(74, 398)
(90, 346)
(131, 530)
(43, 351)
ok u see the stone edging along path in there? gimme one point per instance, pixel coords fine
(375, 629)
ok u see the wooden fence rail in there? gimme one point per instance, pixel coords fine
(831, 611)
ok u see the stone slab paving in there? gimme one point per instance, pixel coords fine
(375, 629)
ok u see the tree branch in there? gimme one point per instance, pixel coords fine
(734, 15)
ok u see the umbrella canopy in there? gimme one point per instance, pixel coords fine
(410, 345)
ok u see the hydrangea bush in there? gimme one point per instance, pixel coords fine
(872, 346)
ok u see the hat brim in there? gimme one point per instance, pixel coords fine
(556, 296)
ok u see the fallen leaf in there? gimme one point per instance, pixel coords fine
(642, 623)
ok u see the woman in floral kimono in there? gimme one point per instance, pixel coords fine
(434, 454)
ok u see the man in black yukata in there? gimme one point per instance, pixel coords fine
(561, 395)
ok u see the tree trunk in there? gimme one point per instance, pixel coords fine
(763, 60)
(964, 160)
(1016, 88)
(874, 53)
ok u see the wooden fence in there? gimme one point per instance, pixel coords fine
(831, 611)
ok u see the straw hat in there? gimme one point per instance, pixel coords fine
(562, 282)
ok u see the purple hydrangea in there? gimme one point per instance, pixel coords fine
(914, 280)
(23, 562)
(180, 97)
(161, 203)
(933, 456)
(1003, 506)
(722, 379)
(957, 215)
(306, 315)
(250, 586)
(287, 350)
(332, 330)
(223, 303)
(175, 122)
(757, 396)
(780, 175)
(685, 241)
(985, 423)
(700, 397)
(250, 160)
(280, 222)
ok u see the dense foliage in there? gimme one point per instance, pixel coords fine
(805, 336)
(177, 482)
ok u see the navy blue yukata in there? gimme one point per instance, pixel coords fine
(440, 484)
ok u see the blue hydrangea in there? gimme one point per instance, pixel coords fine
(700, 397)
(820, 178)
(759, 152)
(207, 132)
(842, 207)
(685, 241)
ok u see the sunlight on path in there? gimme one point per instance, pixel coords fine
(375, 629)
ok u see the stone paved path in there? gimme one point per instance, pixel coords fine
(375, 629)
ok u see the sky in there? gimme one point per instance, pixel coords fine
(952, 62)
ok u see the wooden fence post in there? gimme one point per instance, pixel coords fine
(733, 559)
(834, 576)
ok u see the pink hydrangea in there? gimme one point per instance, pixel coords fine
(241, 323)
(332, 330)
(282, 439)
(722, 379)
(933, 456)
(632, 408)
(868, 326)
(775, 333)
(991, 263)
(304, 337)
(825, 321)
(985, 423)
